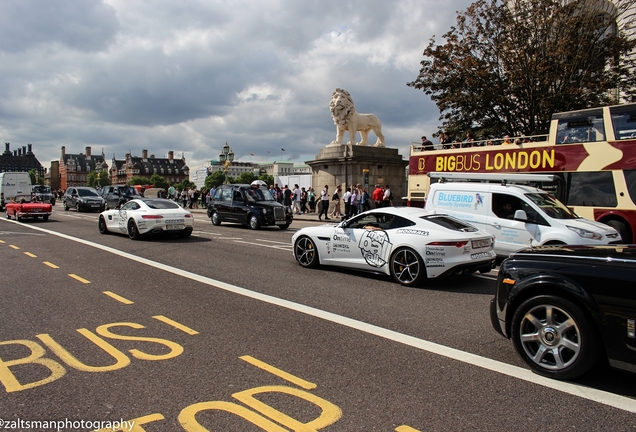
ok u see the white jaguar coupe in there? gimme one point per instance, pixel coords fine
(408, 243)
(143, 216)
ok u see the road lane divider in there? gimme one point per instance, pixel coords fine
(118, 298)
(581, 391)
(50, 264)
(14, 247)
(81, 279)
(176, 325)
(29, 254)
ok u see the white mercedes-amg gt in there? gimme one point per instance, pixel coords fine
(147, 215)
(408, 243)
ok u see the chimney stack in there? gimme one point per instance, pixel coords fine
(30, 147)
(23, 150)
(88, 152)
(144, 154)
(6, 149)
(170, 156)
(63, 152)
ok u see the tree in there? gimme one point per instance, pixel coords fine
(506, 68)
(138, 180)
(216, 178)
(159, 182)
(246, 177)
(96, 179)
(33, 175)
(269, 179)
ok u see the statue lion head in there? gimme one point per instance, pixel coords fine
(341, 107)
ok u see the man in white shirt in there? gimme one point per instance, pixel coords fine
(296, 199)
(324, 203)
(386, 199)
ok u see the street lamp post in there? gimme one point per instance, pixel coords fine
(226, 157)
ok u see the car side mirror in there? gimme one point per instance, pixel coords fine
(521, 216)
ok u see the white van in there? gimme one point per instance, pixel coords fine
(518, 216)
(12, 184)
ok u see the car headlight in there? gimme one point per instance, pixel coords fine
(585, 233)
(264, 211)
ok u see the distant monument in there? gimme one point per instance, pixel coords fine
(346, 118)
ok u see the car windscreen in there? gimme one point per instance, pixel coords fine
(258, 194)
(42, 189)
(450, 223)
(86, 192)
(162, 204)
(128, 191)
(551, 206)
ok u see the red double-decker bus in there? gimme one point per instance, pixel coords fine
(592, 152)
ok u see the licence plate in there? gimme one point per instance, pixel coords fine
(480, 243)
(281, 222)
(94, 205)
(175, 227)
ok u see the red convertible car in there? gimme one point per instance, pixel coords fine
(26, 207)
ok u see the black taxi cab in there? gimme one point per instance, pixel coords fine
(250, 205)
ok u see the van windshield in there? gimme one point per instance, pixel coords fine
(551, 206)
(41, 189)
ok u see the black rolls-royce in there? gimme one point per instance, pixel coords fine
(567, 307)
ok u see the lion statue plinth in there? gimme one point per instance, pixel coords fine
(346, 118)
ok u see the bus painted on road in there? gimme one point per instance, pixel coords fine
(592, 152)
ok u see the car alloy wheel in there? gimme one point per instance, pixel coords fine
(254, 222)
(554, 337)
(407, 267)
(305, 252)
(77, 207)
(102, 225)
(65, 206)
(216, 219)
(133, 231)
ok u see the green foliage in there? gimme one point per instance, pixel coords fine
(508, 66)
(267, 179)
(185, 184)
(33, 175)
(246, 177)
(159, 182)
(138, 180)
(216, 178)
(96, 179)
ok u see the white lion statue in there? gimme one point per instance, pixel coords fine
(346, 119)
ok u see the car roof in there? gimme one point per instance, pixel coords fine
(403, 211)
(609, 252)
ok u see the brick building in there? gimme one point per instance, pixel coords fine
(171, 169)
(74, 168)
(21, 160)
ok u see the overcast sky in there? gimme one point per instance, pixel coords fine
(188, 75)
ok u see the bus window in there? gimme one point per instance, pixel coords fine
(624, 121)
(592, 189)
(586, 127)
(630, 179)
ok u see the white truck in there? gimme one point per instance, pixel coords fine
(516, 215)
(12, 184)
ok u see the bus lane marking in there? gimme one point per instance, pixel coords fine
(584, 392)
(278, 372)
(118, 297)
(81, 279)
(176, 325)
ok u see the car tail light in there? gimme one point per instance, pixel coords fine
(457, 244)
(151, 217)
(189, 215)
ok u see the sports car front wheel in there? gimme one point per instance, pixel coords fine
(133, 231)
(554, 337)
(305, 252)
(102, 225)
(407, 267)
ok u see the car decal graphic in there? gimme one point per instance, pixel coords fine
(375, 247)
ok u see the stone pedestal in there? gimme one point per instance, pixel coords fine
(347, 164)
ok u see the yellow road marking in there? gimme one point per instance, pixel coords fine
(176, 325)
(14, 247)
(30, 254)
(50, 264)
(280, 373)
(405, 428)
(2, 241)
(118, 297)
(76, 277)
